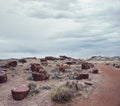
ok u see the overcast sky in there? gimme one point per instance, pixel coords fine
(78, 28)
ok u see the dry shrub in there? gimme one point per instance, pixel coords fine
(32, 86)
(61, 94)
(33, 89)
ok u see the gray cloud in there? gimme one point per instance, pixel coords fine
(78, 28)
(71, 9)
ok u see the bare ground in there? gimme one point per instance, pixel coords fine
(106, 92)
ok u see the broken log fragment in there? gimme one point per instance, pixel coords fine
(20, 92)
(82, 76)
(95, 71)
(39, 76)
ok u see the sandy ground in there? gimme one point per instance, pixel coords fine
(107, 93)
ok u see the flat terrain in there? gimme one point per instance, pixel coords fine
(107, 93)
(105, 89)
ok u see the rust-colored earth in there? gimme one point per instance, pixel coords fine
(107, 93)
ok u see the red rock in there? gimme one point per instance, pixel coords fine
(82, 76)
(39, 76)
(63, 67)
(87, 65)
(36, 67)
(20, 92)
(3, 76)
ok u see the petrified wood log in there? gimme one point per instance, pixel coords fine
(36, 67)
(95, 71)
(20, 92)
(39, 76)
(82, 76)
(22, 61)
(12, 64)
(3, 76)
(50, 58)
(87, 65)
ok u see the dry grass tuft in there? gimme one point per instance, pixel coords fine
(61, 94)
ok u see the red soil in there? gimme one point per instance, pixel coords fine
(107, 93)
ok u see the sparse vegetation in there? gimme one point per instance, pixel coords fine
(61, 94)
(66, 92)
(32, 86)
(33, 89)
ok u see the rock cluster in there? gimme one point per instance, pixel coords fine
(10, 64)
(116, 65)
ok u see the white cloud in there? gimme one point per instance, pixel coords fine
(54, 27)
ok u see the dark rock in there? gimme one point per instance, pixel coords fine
(70, 63)
(9, 64)
(95, 71)
(50, 58)
(88, 83)
(64, 57)
(116, 65)
(44, 62)
(22, 61)
(3, 76)
(82, 76)
(12, 64)
(87, 65)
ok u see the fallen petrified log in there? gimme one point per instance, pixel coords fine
(87, 65)
(12, 64)
(50, 58)
(36, 67)
(64, 57)
(23, 61)
(95, 71)
(20, 92)
(39, 76)
(3, 76)
(9, 64)
(82, 76)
